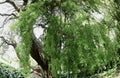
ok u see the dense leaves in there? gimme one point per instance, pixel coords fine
(24, 28)
(73, 40)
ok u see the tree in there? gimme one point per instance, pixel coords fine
(35, 42)
(71, 40)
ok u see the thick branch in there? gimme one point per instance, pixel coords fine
(37, 54)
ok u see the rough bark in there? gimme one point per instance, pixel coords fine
(37, 54)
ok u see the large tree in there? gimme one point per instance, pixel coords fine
(72, 41)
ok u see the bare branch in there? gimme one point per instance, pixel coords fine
(2, 2)
(12, 14)
(13, 4)
(8, 42)
(41, 25)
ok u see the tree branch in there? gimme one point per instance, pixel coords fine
(12, 14)
(2, 2)
(41, 25)
(8, 42)
(13, 4)
(25, 2)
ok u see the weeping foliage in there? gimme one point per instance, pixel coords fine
(24, 28)
(71, 41)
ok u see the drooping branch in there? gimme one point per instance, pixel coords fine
(36, 50)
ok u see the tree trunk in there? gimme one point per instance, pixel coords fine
(37, 54)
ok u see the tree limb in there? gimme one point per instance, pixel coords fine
(2, 2)
(13, 4)
(8, 42)
(25, 2)
(12, 14)
(38, 55)
(41, 25)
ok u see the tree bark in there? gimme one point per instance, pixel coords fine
(37, 54)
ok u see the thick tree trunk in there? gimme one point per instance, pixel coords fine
(38, 56)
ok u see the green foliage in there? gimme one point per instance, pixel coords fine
(9, 72)
(24, 28)
(71, 45)
(71, 41)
